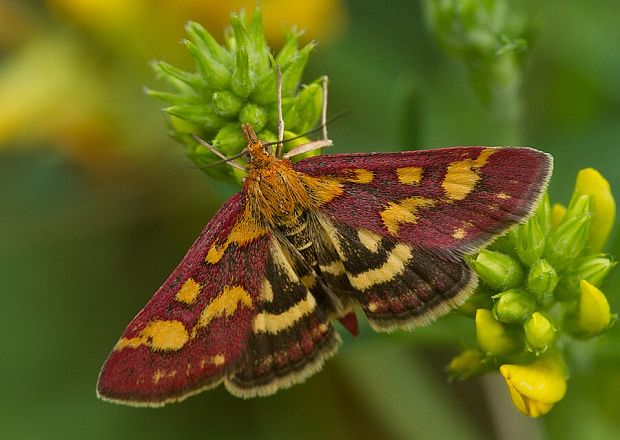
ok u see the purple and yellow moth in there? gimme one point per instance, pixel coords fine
(252, 303)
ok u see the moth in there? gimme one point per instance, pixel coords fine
(253, 303)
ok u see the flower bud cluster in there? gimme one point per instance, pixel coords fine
(237, 83)
(541, 283)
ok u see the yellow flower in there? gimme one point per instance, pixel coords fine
(466, 364)
(590, 182)
(491, 334)
(593, 315)
(536, 387)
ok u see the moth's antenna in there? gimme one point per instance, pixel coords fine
(280, 145)
(313, 130)
(229, 160)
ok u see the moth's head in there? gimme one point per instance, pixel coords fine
(259, 157)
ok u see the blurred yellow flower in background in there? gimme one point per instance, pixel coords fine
(82, 94)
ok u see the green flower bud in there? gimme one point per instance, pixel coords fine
(542, 280)
(593, 315)
(185, 82)
(289, 51)
(497, 270)
(203, 39)
(543, 214)
(229, 140)
(292, 71)
(579, 205)
(506, 243)
(568, 240)
(203, 116)
(289, 114)
(215, 74)
(309, 106)
(254, 115)
(493, 337)
(234, 83)
(242, 37)
(592, 268)
(266, 91)
(226, 104)
(481, 299)
(467, 364)
(257, 35)
(539, 332)
(530, 243)
(243, 80)
(173, 98)
(513, 306)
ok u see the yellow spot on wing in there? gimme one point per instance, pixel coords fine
(224, 304)
(503, 196)
(393, 267)
(274, 323)
(458, 234)
(219, 359)
(243, 232)
(369, 239)
(404, 212)
(309, 280)
(188, 292)
(266, 292)
(158, 335)
(409, 175)
(335, 268)
(322, 189)
(161, 374)
(361, 176)
(463, 175)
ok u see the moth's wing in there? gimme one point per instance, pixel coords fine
(400, 223)
(291, 334)
(193, 332)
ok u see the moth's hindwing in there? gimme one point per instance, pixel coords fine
(397, 285)
(291, 335)
(400, 224)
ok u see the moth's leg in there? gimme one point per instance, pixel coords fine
(321, 143)
(324, 84)
(280, 145)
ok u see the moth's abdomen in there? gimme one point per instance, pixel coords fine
(297, 231)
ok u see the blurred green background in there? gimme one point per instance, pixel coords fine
(98, 206)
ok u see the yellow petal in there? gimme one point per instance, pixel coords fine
(536, 387)
(591, 182)
(491, 334)
(593, 314)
